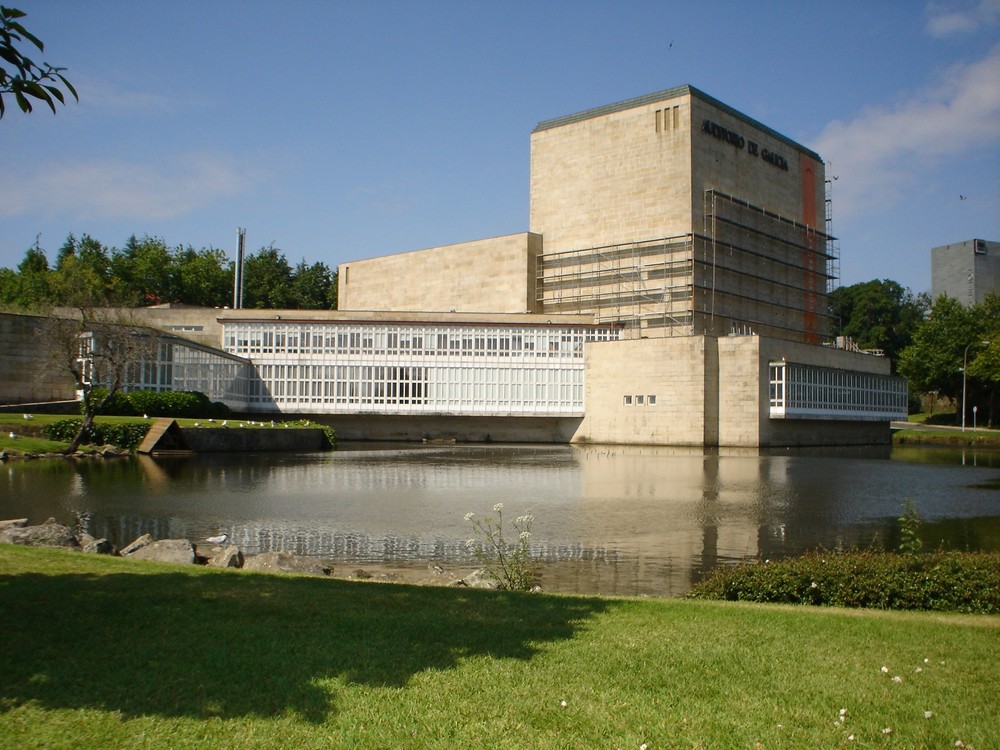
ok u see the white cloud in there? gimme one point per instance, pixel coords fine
(885, 149)
(123, 190)
(949, 18)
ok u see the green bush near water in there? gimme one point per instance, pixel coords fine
(943, 581)
(126, 435)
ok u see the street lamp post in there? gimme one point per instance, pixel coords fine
(965, 366)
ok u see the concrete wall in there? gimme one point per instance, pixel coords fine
(613, 175)
(493, 275)
(709, 391)
(444, 427)
(790, 181)
(638, 170)
(27, 372)
(228, 439)
(960, 272)
(678, 372)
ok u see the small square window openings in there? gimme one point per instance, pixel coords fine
(639, 400)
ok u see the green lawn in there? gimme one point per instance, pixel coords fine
(103, 652)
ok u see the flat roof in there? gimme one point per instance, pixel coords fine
(664, 95)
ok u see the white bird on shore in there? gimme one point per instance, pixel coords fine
(225, 422)
(28, 416)
(220, 539)
(13, 436)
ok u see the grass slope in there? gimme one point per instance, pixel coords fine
(103, 652)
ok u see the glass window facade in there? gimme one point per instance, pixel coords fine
(180, 365)
(352, 367)
(800, 391)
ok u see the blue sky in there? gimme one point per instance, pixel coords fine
(342, 130)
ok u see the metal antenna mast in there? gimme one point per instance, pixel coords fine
(241, 235)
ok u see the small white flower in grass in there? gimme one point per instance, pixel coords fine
(498, 507)
(959, 743)
(928, 714)
(885, 670)
(927, 661)
(524, 536)
(643, 746)
(897, 679)
(843, 712)
(887, 730)
(563, 704)
(850, 738)
(918, 670)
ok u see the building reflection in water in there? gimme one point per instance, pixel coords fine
(612, 520)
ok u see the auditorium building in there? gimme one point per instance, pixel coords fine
(671, 290)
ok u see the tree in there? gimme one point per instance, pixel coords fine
(877, 314)
(145, 271)
(102, 351)
(267, 280)
(312, 285)
(22, 77)
(204, 277)
(948, 340)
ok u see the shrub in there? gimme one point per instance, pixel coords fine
(942, 581)
(193, 404)
(125, 435)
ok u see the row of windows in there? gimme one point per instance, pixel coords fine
(336, 339)
(477, 389)
(796, 387)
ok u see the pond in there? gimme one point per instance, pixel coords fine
(608, 519)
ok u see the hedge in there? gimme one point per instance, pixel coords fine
(125, 435)
(940, 581)
(193, 404)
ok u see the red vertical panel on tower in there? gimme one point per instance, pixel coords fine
(810, 259)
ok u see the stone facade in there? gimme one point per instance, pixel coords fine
(494, 275)
(27, 374)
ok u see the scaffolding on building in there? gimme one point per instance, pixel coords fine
(832, 243)
(765, 272)
(639, 286)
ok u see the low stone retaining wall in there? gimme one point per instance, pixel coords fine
(249, 439)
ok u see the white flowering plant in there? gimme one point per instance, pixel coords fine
(509, 562)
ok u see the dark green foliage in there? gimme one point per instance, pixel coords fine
(877, 314)
(28, 81)
(164, 404)
(147, 271)
(125, 435)
(944, 581)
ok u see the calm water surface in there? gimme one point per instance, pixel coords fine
(610, 520)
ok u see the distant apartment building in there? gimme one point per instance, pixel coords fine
(967, 271)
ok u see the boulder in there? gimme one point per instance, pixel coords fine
(10, 523)
(96, 546)
(139, 543)
(229, 556)
(48, 534)
(166, 550)
(286, 562)
(477, 579)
